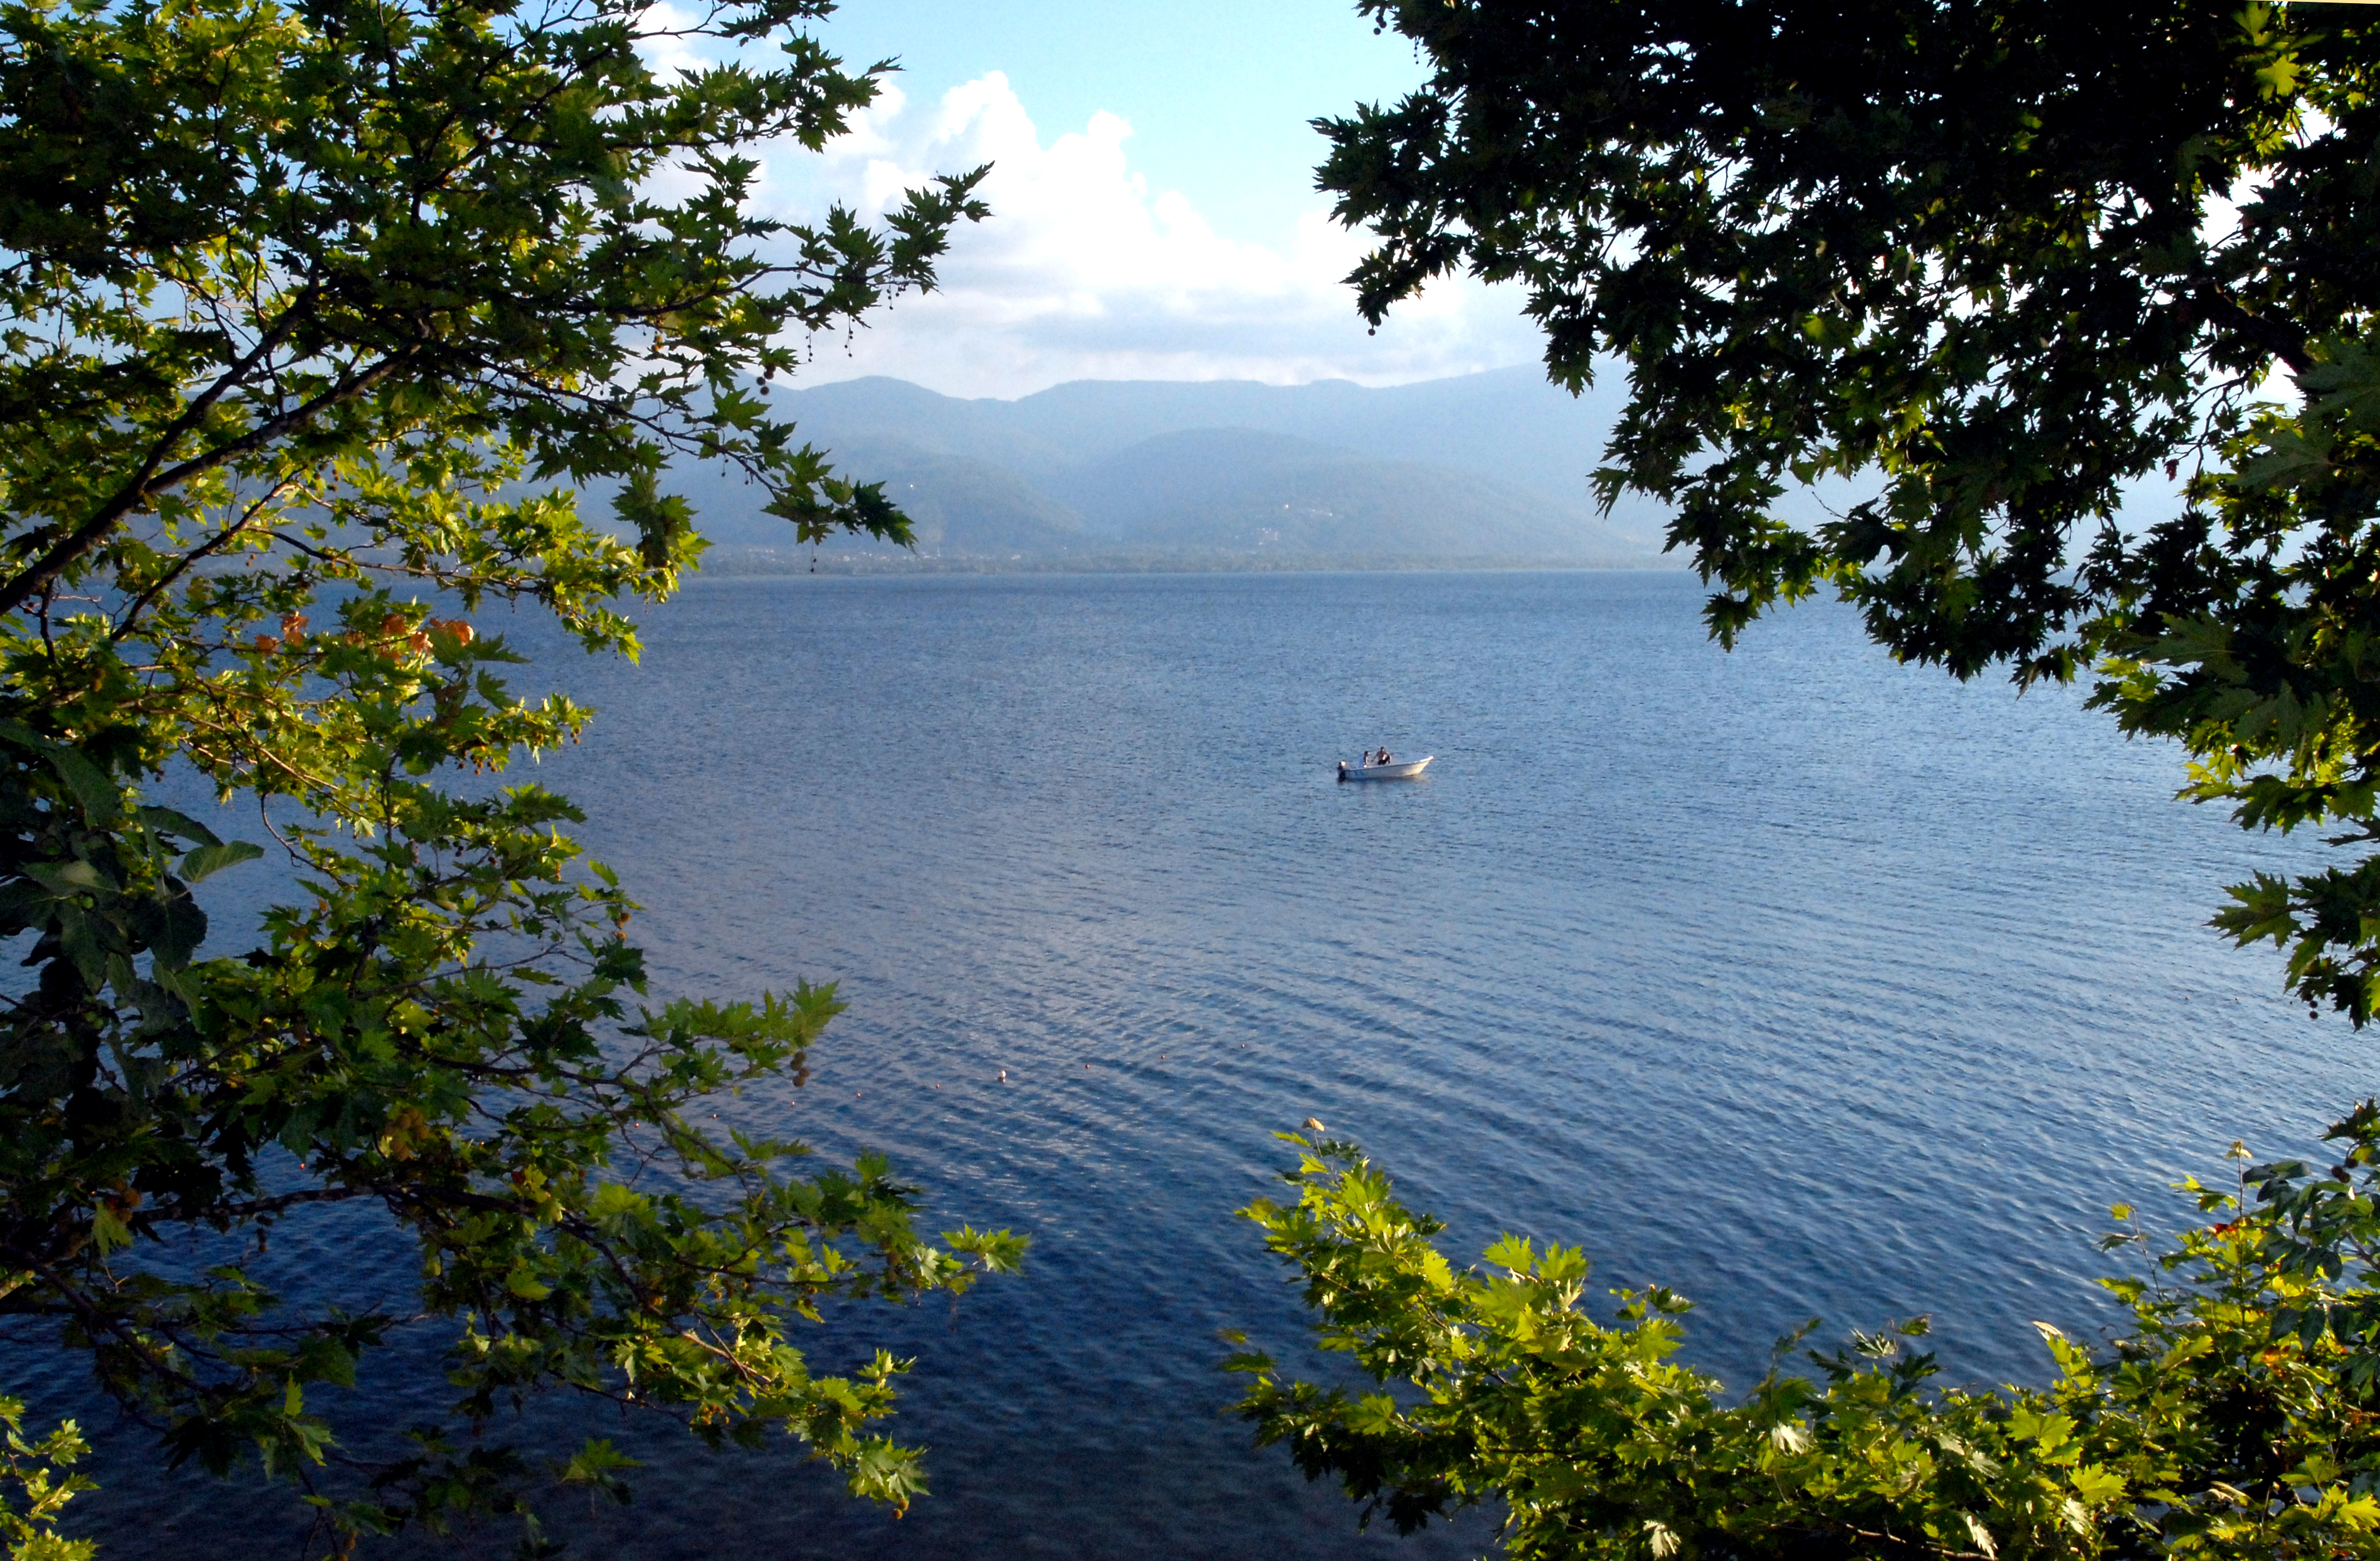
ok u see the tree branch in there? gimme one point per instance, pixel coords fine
(134, 494)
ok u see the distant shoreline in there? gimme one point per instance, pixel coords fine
(745, 563)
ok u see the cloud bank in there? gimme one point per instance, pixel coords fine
(1084, 272)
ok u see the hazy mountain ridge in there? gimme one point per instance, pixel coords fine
(1486, 466)
(1237, 490)
(962, 503)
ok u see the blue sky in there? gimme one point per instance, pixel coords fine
(1154, 214)
(1219, 94)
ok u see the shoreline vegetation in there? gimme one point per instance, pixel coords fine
(753, 563)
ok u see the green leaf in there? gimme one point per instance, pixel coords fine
(208, 860)
(66, 877)
(108, 1230)
(90, 784)
(168, 821)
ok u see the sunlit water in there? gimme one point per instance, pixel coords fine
(1797, 981)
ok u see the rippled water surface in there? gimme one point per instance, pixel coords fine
(1798, 981)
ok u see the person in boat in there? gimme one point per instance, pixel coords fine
(1342, 770)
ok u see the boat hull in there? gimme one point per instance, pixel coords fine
(1405, 771)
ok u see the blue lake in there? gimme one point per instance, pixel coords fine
(1798, 981)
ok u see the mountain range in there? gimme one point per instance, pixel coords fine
(1484, 466)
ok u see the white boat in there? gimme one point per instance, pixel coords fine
(1403, 770)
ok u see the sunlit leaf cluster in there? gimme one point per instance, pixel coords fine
(2233, 1416)
(33, 1493)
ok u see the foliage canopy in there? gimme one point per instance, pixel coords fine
(1983, 274)
(1980, 276)
(2232, 1418)
(315, 316)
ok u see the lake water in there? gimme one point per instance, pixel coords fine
(1798, 981)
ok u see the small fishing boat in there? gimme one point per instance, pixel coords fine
(1403, 770)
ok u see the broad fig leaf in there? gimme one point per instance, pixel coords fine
(208, 860)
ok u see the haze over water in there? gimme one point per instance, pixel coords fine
(1798, 981)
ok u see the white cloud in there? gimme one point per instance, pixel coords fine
(670, 39)
(1085, 271)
